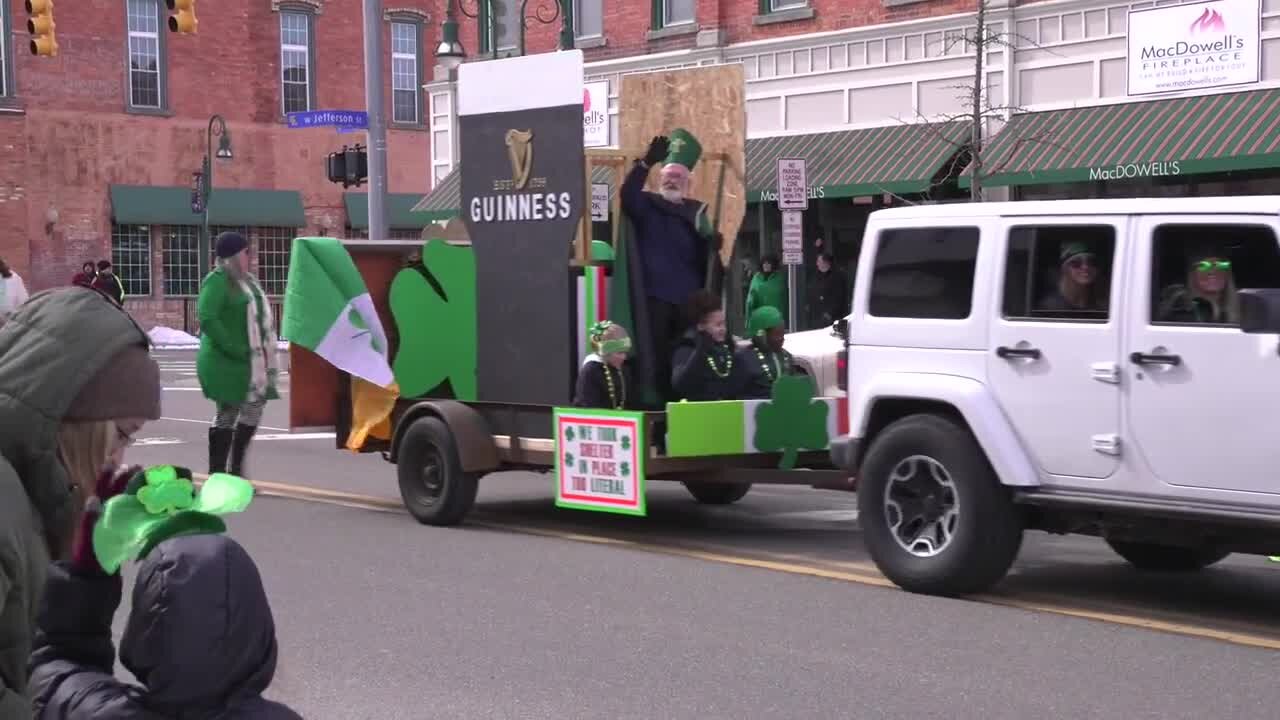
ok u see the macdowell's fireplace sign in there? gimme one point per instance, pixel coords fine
(1195, 45)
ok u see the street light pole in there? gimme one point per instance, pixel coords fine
(377, 120)
(218, 124)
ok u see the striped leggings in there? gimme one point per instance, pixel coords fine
(246, 413)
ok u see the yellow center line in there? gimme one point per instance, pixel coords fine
(803, 566)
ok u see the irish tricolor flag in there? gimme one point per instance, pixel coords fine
(328, 310)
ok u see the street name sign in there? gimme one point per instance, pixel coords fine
(344, 120)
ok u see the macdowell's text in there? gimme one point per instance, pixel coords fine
(1128, 171)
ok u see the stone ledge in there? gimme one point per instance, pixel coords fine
(797, 14)
(589, 43)
(681, 30)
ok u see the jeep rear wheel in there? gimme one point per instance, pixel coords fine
(1167, 558)
(934, 515)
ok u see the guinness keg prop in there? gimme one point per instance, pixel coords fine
(523, 193)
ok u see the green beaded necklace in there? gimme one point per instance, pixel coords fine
(728, 367)
(613, 390)
(772, 371)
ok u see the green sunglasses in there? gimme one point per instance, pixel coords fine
(1207, 265)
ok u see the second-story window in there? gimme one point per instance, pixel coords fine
(777, 5)
(144, 54)
(501, 17)
(295, 61)
(677, 12)
(406, 90)
(588, 20)
(6, 58)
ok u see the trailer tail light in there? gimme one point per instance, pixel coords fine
(842, 370)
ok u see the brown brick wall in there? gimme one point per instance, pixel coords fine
(70, 137)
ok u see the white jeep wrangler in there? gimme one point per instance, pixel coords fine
(1104, 367)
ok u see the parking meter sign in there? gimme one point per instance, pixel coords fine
(793, 188)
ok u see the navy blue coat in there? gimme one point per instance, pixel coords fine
(673, 239)
(201, 639)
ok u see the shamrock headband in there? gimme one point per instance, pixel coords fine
(158, 504)
(608, 347)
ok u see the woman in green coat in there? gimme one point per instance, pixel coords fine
(237, 359)
(768, 287)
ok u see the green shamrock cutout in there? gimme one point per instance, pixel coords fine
(792, 420)
(164, 492)
(626, 442)
(357, 322)
(569, 434)
(568, 459)
(625, 469)
(424, 312)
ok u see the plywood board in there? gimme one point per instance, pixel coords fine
(709, 102)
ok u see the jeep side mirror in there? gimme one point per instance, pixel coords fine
(1259, 310)
(841, 328)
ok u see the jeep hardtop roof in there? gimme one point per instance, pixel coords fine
(1247, 205)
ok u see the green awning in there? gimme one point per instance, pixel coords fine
(155, 205)
(903, 159)
(444, 201)
(400, 214)
(1180, 136)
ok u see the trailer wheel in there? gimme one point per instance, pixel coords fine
(710, 493)
(433, 485)
(933, 513)
(1167, 558)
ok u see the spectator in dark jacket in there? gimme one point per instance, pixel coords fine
(107, 282)
(88, 273)
(200, 638)
(829, 294)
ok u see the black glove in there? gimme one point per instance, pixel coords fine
(657, 152)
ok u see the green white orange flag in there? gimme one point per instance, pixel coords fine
(328, 310)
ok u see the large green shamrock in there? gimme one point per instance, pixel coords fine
(792, 420)
(436, 322)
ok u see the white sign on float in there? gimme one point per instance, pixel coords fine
(595, 115)
(793, 188)
(1193, 46)
(792, 237)
(599, 202)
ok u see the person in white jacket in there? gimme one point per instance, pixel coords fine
(13, 292)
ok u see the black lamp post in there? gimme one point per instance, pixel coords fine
(218, 128)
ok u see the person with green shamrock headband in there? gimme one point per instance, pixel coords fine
(603, 380)
(200, 637)
(763, 360)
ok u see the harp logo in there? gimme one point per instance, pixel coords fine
(520, 151)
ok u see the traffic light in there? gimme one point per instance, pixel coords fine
(41, 26)
(183, 20)
(349, 166)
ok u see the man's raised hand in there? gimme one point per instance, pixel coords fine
(658, 148)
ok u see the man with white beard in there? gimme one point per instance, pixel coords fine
(675, 240)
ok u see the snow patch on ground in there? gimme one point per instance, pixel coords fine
(166, 338)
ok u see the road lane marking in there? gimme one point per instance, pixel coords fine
(334, 497)
(295, 436)
(206, 422)
(143, 442)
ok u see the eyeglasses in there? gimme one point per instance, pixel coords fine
(1082, 261)
(1210, 265)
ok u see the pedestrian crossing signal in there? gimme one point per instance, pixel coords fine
(41, 27)
(183, 20)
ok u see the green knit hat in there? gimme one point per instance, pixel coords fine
(764, 319)
(1072, 249)
(685, 149)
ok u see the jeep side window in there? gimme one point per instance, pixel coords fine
(1197, 268)
(924, 273)
(1059, 272)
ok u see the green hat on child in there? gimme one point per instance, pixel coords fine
(764, 319)
(684, 150)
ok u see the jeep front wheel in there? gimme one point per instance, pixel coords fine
(934, 515)
(1167, 558)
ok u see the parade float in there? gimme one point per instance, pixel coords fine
(457, 357)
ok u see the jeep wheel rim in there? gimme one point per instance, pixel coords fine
(921, 508)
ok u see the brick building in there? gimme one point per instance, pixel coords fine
(100, 142)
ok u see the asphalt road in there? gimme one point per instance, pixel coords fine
(768, 608)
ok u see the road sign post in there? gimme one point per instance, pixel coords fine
(792, 257)
(793, 187)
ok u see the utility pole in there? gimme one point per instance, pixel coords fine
(377, 120)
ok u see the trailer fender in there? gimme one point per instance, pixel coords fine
(476, 449)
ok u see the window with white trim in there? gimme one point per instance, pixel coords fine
(180, 260)
(406, 89)
(678, 12)
(503, 17)
(131, 257)
(6, 61)
(272, 245)
(588, 18)
(144, 54)
(776, 5)
(295, 61)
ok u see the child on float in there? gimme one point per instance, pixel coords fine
(702, 365)
(763, 360)
(602, 379)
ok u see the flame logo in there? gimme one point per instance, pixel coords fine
(1209, 21)
(586, 101)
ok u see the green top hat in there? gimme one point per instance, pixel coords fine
(685, 149)
(601, 251)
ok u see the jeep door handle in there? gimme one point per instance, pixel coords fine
(1139, 358)
(1008, 352)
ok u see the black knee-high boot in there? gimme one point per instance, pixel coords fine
(240, 446)
(219, 445)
